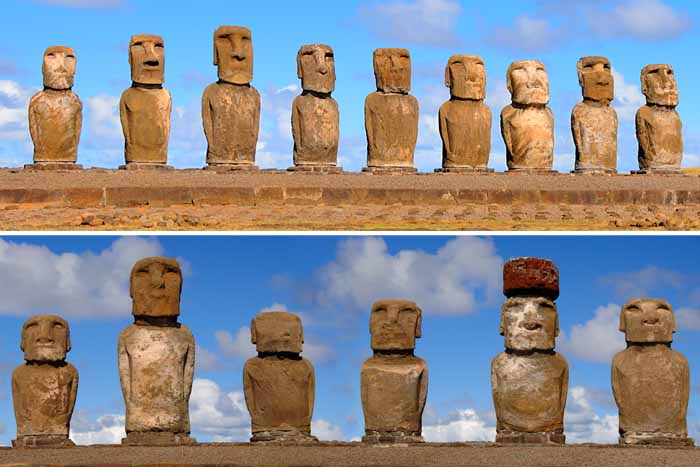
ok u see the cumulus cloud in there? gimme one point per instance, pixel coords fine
(104, 117)
(642, 282)
(688, 318)
(219, 415)
(628, 98)
(527, 32)
(596, 340)
(583, 424)
(640, 19)
(463, 425)
(326, 431)
(14, 102)
(107, 429)
(206, 359)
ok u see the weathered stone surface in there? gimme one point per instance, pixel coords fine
(536, 276)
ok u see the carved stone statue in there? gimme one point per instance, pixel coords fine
(530, 380)
(156, 358)
(394, 382)
(651, 381)
(44, 388)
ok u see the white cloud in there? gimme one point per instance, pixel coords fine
(688, 318)
(641, 19)
(206, 360)
(583, 425)
(465, 425)
(108, 429)
(596, 340)
(103, 119)
(498, 96)
(238, 346)
(221, 416)
(528, 32)
(326, 431)
(628, 98)
(14, 104)
(642, 282)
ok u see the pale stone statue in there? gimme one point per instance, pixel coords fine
(279, 384)
(44, 389)
(156, 358)
(391, 115)
(145, 107)
(651, 381)
(394, 382)
(594, 121)
(527, 124)
(530, 380)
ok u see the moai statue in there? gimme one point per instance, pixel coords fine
(315, 118)
(465, 121)
(45, 387)
(394, 382)
(145, 107)
(391, 115)
(156, 358)
(527, 124)
(56, 113)
(231, 106)
(651, 382)
(658, 123)
(279, 384)
(529, 381)
(594, 121)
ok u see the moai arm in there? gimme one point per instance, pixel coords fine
(207, 121)
(564, 385)
(442, 118)
(124, 368)
(123, 110)
(296, 127)
(248, 390)
(369, 124)
(256, 114)
(78, 122)
(615, 378)
(169, 115)
(189, 366)
(643, 134)
(73, 392)
(17, 398)
(33, 126)
(576, 129)
(505, 129)
(423, 389)
(312, 391)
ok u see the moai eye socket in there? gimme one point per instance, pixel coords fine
(633, 308)
(137, 44)
(329, 56)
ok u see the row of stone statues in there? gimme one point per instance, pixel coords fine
(231, 113)
(529, 380)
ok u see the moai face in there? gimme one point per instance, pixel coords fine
(659, 85)
(59, 67)
(233, 54)
(45, 338)
(277, 331)
(596, 79)
(155, 287)
(147, 59)
(528, 83)
(395, 325)
(392, 70)
(529, 323)
(647, 320)
(465, 75)
(316, 68)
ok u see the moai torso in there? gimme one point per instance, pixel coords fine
(315, 127)
(391, 121)
(528, 133)
(594, 129)
(145, 116)
(55, 122)
(465, 127)
(659, 132)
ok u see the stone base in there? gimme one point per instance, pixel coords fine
(316, 169)
(389, 170)
(520, 437)
(392, 437)
(283, 437)
(157, 438)
(145, 166)
(42, 441)
(232, 167)
(652, 171)
(53, 166)
(593, 171)
(531, 171)
(464, 170)
(655, 439)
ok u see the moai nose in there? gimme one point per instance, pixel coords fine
(45, 335)
(238, 49)
(393, 313)
(395, 62)
(157, 277)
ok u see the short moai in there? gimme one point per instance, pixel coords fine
(465, 121)
(594, 121)
(315, 117)
(651, 381)
(56, 113)
(279, 384)
(527, 124)
(394, 382)
(156, 358)
(231, 106)
(391, 115)
(529, 381)
(45, 387)
(144, 108)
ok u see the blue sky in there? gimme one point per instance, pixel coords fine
(632, 33)
(331, 282)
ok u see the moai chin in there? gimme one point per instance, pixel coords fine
(465, 121)
(391, 115)
(527, 124)
(315, 117)
(659, 128)
(144, 108)
(279, 384)
(529, 380)
(45, 387)
(594, 121)
(231, 106)
(156, 358)
(651, 382)
(394, 382)
(56, 113)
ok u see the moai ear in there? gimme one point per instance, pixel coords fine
(643, 81)
(673, 322)
(419, 322)
(556, 323)
(253, 337)
(216, 52)
(623, 327)
(448, 76)
(23, 343)
(509, 83)
(299, 55)
(68, 345)
(502, 324)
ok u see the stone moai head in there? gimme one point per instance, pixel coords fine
(659, 85)
(395, 325)
(392, 70)
(529, 318)
(277, 331)
(528, 83)
(596, 79)
(316, 68)
(156, 284)
(465, 75)
(233, 54)
(45, 338)
(645, 320)
(147, 59)
(58, 67)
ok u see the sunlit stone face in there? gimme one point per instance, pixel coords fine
(316, 68)
(529, 323)
(59, 67)
(528, 83)
(645, 320)
(392, 70)
(465, 75)
(596, 78)
(147, 59)
(659, 85)
(155, 287)
(45, 339)
(277, 331)
(233, 54)
(394, 325)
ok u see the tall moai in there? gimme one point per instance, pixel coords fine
(465, 120)
(659, 127)
(45, 387)
(231, 106)
(594, 121)
(529, 380)
(279, 384)
(56, 113)
(394, 382)
(156, 358)
(315, 117)
(527, 124)
(144, 108)
(651, 381)
(391, 115)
